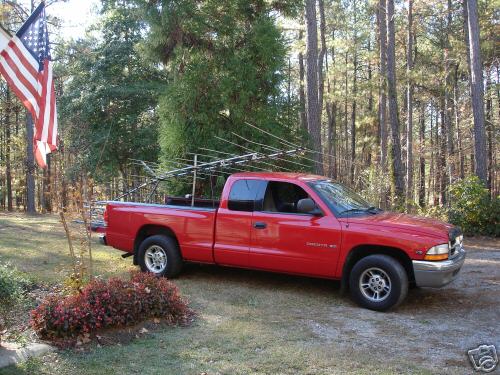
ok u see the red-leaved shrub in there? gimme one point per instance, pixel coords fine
(110, 303)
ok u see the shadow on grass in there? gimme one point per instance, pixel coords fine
(218, 280)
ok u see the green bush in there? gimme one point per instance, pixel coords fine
(436, 212)
(472, 208)
(12, 286)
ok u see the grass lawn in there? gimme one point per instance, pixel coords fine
(248, 322)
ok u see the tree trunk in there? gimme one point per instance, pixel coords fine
(331, 110)
(302, 95)
(332, 140)
(30, 159)
(397, 166)
(421, 187)
(370, 77)
(373, 125)
(409, 102)
(8, 170)
(289, 91)
(344, 154)
(495, 191)
(354, 93)
(450, 149)
(430, 183)
(313, 109)
(437, 158)
(2, 157)
(46, 186)
(489, 128)
(457, 124)
(353, 119)
(477, 91)
(321, 57)
(442, 153)
(382, 106)
(30, 167)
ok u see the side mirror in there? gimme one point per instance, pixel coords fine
(307, 206)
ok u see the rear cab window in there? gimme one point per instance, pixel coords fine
(244, 193)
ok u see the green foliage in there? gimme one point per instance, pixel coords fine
(109, 104)
(225, 61)
(473, 209)
(159, 80)
(437, 212)
(372, 184)
(12, 286)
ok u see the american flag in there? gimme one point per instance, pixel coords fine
(26, 65)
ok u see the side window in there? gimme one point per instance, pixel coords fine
(283, 197)
(243, 193)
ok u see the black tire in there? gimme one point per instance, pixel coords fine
(170, 249)
(378, 272)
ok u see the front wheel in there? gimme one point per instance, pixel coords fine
(378, 282)
(160, 255)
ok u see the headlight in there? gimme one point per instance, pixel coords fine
(439, 252)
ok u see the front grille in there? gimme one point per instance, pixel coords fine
(454, 243)
(453, 251)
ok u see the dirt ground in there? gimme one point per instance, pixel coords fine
(433, 327)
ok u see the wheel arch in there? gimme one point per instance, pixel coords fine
(361, 251)
(149, 230)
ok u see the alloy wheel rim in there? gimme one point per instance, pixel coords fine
(375, 284)
(156, 259)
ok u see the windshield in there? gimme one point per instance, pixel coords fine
(341, 199)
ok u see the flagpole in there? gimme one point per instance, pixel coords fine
(30, 158)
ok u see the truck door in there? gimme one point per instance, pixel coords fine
(285, 240)
(234, 222)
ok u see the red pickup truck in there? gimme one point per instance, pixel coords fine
(292, 223)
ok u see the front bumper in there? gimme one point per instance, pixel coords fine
(438, 274)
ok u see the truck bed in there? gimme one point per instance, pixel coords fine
(128, 222)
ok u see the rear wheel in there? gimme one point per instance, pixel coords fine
(160, 255)
(378, 282)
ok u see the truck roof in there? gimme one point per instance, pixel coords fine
(279, 175)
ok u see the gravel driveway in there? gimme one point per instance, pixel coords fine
(433, 328)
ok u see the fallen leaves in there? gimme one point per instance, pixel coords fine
(83, 339)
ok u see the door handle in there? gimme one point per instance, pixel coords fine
(259, 225)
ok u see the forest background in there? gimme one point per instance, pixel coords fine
(399, 100)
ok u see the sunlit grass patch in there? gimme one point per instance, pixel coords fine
(38, 245)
